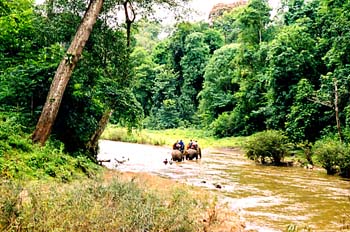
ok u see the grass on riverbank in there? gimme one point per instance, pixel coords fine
(168, 137)
(113, 202)
(42, 188)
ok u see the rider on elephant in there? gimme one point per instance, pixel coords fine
(189, 145)
(193, 150)
(175, 145)
(179, 145)
(194, 145)
(182, 145)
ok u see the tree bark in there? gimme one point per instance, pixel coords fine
(93, 142)
(128, 20)
(64, 72)
(337, 110)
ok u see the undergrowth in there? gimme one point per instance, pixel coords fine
(95, 206)
(20, 159)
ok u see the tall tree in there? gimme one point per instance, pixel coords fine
(249, 63)
(68, 63)
(64, 72)
(253, 21)
(193, 63)
(291, 59)
(335, 22)
(217, 95)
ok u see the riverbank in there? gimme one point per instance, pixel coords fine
(42, 188)
(213, 216)
(112, 201)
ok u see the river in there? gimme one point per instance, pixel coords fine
(268, 198)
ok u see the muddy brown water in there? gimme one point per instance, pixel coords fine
(267, 198)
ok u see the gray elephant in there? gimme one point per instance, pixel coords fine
(177, 155)
(193, 153)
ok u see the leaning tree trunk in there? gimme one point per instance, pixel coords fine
(92, 145)
(64, 72)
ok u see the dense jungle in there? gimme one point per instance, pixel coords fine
(278, 79)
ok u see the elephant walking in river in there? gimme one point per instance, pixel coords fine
(190, 153)
(177, 155)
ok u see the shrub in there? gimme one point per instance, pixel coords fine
(11, 135)
(344, 164)
(326, 152)
(333, 155)
(223, 126)
(270, 144)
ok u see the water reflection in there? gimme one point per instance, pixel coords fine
(268, 198)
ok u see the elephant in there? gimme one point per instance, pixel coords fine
(193, 153)
(177, 155)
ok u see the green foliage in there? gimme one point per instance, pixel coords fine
(236, 123)
(304, 114)
(214, 39)
(20, 159)
(17, 34)
(165, 111)
(169, 114)
(333, 155)
(145, 74)
(25, 62)
(245, 85)
(176, 47)
(160, 53)
(217, 95)
(291, 59)
(147, 34)
(184, 54)
(45, 163)
(227, 24)
(12, 137)
(25, 85)
(344, 164)
(196, 55)
(223, 126)
(252, 22)
(115, 133)
(299, 9)
(102, 80)
(269, 144)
